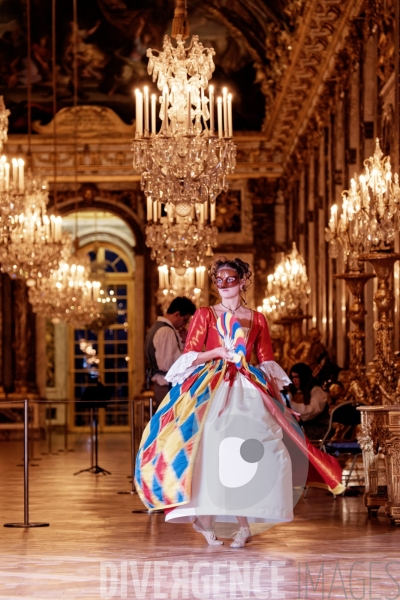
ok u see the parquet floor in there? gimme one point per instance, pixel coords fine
(96, 547)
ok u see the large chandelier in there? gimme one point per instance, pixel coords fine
(182, 242)
(288, 287)
(31, 242)
(187, 161)
(370, 214)
(173, 284)
(60, 295)
(69, 295)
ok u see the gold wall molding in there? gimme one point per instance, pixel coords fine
(321, 32)
(85, 121)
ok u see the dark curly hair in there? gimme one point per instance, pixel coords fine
(237, 264)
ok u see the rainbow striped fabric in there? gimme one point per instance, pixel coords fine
(231, 332)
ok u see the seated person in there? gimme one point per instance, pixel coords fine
(309, 400)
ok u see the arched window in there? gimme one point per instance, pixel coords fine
(113, 344)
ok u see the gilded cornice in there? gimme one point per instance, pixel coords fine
(323, 27)
(374, 17)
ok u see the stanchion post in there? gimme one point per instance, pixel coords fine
(26, 475)
(66, 425)
(92, 442)
(133, 454)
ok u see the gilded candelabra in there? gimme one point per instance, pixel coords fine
(365, 231)
(355, 281)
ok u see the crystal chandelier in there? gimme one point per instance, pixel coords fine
(67, 288)
(68, 295)
(288, 287)
(12, 180)
(370, 213)
(187, 161)
(173, 284)
(31, 242)
(182, 242)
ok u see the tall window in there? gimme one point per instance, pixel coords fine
(113, 347)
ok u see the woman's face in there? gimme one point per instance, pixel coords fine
(296, 380)
(228, 283)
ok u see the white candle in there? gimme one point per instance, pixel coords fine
(155, 213)
(149, 208)
(21, 174)
(96, 290)
(212, 211)
(14, 173)
(59, 228)
(200, 277)
(139, 112)
(201, 215)
(225, 104)
(188, 107)
(7, 176)
(166, 278)
(169, 212)
(211, 109)
(206, 210)
(146, 111)
(46, 222)
(165, 100)
(230, 127)
(219, 109)
(160, 278)
(334, 217)
(153, 113)
(52, 228)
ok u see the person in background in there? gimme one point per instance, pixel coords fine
(309, 400)
(164, 343)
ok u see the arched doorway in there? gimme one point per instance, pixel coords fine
(113, 345)
(110, 243)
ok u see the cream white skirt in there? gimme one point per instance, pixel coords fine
(242, 467)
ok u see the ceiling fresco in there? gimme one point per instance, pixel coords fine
(111, 39)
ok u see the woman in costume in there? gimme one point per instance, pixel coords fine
(223, 450)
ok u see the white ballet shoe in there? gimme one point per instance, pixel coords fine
(209, 534)
(241, 537)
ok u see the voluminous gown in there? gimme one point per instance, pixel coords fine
(220, 444)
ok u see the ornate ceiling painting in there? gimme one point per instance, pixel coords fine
(275, 55)
(112, 38)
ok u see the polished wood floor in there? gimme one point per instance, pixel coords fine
(94, 536)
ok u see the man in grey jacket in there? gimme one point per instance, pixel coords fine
(164, 345)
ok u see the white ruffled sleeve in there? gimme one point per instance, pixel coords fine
(272, 370)
(182, 368)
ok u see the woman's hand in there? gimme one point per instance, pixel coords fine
(222, 352)
(204, 357)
